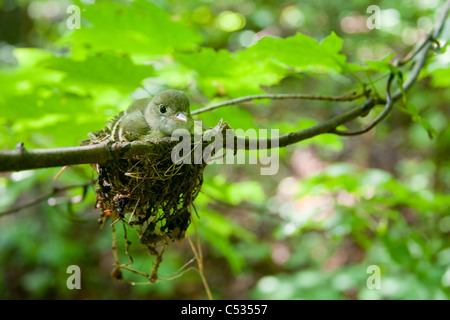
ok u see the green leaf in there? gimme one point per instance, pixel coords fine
(246, 191)
(236, 117)
(28, 75)
(441, 78)
(103, 70)
(414, 112)
(382, 65)
(300, 53)
(52, 118)
(218, 230)
(432, 132)
(439, 69)
(224, 73)
(245, 71)
(139, 28)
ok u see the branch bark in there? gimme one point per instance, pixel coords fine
(23, 159)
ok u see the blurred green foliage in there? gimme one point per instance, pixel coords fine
(335, 207)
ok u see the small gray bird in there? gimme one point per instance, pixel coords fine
(156, 117)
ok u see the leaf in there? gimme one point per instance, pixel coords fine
(439, 68)
(246, 191)
(218, 230)
(27, 76)
(441, 78)
(382, 65)
(139, 28)
(300, 53)
(245, 71)
(414, 112)
(399, 78)
(56, 119)
(103, 70)
(432, 132)
(237, 118)
(224, 73)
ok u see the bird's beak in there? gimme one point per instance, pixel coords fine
(180, 117)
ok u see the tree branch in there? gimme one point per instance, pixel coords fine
(327, 126)
(22, 159)
(387, 109)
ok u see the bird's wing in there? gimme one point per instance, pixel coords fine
(133, 127)
(130, 124)
(111, 123)
(139, 105)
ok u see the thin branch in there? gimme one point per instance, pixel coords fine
(44, 197)
(412, 54)
(200, 269)
(324, 127)
(431, 37)
(280, 96)
(422, 54)
(387, 109)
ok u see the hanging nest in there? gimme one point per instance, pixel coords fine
(151, 193)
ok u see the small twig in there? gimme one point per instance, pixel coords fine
(60, 172)
(412, 54)
(134, 210)
(115, 221)
(199, 258)
(180, 272)
(44, 197)
(127, 245)
(200, 269)
(348, 97)
(422, 53)
(381, 116)
(145, 275)
(114, 245)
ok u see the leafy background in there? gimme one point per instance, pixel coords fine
(336, 206)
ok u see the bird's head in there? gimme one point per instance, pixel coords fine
(168, 111)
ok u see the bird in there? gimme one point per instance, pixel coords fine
(149, 118)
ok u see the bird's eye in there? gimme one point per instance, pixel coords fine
(162, 108)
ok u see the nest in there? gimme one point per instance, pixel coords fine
(150, 193)
(156, 192)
